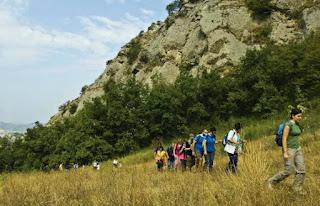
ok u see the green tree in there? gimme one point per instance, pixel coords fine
(174, 6)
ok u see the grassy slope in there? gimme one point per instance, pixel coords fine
(138, 182)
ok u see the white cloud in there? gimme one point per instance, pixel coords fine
(119, 1)
(115, 1)
(105, 30)
(23, 43)
(147, 12)
(15, 6)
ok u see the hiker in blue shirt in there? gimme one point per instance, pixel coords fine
(197, 148)
(209, 148)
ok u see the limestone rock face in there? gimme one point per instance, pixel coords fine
(196, 44)
(284, 29)
(226, 46)
(204, 35)
(176, 35)
(289, 4)
(311, 17)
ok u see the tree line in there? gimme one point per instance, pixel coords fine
(130, 115)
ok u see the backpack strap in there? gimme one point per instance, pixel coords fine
(234, 133)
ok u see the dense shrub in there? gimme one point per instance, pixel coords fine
(264, 31)
(73, 108)
(134, 51)
(261, 9)
(84, 88)
(174, 6)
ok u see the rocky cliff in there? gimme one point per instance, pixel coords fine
(203, 35)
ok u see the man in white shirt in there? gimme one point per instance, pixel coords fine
(231, 148)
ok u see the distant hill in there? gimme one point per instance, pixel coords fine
(11, 127)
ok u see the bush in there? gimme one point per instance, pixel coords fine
(84, 88)
(134, 51)
(73, 108)
(263, 32)
(144, 58)
(298, 16)
(63, 107)
(261, 9)
(174, 7)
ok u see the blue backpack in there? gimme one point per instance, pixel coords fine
(279, 134)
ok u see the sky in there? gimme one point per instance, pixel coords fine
(50, 49)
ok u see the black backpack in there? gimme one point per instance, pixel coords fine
(170, 151)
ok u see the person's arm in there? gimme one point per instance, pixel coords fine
(165, 156)
(204, 145)
(174, 150)
(284, 142)
(188, 147)
(183, 147)
(230, 137)
(192, 147)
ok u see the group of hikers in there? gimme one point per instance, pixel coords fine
(199, 152)
(96, 165)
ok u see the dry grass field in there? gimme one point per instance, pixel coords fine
(138, 182)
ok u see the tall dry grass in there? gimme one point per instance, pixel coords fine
(140, 184)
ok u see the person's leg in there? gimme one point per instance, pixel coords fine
(189, 163)
(177, 163)
(235, 162)
(229, 166)
(288, 166)
(232, 162)
(199, 160)
(183, 165)
(161, 165)
(171, 162)
(158, 165)
(207, 160)
(300, 171)
(211, 157)
(193, 160)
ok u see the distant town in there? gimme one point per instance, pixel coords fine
(12, 129)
